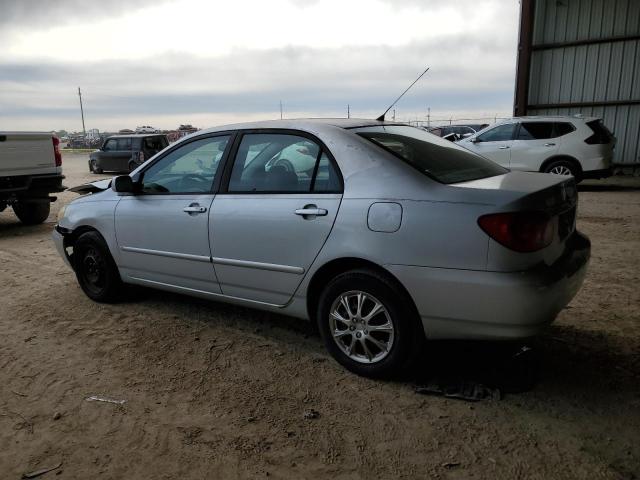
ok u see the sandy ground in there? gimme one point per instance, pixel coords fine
(214, 391)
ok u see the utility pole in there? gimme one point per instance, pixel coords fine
(348, 111)
(394, 114)
(429, 117)
(280, 109)
(84, 131)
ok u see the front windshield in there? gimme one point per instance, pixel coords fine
(438, 158)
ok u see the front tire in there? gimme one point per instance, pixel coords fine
(95, 269)
(368, 324)
(93, 166)
(32, 213)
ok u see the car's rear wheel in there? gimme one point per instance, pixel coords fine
(95, 268)
(563, 167)
(368, 325)
(32, 213)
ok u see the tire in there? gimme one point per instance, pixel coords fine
(402, 341)
(32, 213)
(95, 269)
(563, 167)
(93, 166)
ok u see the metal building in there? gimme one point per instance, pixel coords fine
(583, 57)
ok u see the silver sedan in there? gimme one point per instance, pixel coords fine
(383, 234)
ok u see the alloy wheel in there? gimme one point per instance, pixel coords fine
(561, 170)
(361, 326)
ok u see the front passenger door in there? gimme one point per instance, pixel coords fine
(163, 231)
(494, 144)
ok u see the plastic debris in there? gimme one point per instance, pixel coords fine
(95, 398)
(462, 390)
(311, 414)
(42, 471)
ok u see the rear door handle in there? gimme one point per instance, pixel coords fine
(194, 209)
(549, 144)
(504, 147)
(311, 211)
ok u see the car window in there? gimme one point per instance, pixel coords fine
(110, 145)
(436, 131)
(275, 162)
(562, 128)
(327, 178)
(500, 133)
(154, 144)
(435, 157)
(535, 130)
(191, 168)
(123, 144)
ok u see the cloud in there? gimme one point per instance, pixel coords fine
(470, 72)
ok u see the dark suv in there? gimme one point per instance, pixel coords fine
(124, 153)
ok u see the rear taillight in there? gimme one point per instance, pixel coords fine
(519, 231)
(56, 150)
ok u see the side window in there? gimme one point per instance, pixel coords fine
(274, 162)
(110, 145)
(562, 128)
(535, 130)
(327, 178)
(124, 144)
(190, 168)
(501, 133)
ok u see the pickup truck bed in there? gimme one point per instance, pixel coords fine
(30, 170)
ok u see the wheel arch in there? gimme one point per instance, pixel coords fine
(71, 238)
(338, 266)
(574, 161)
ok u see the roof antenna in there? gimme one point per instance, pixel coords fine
(381, 117)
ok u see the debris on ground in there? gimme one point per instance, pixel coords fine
(463, 390)
(311, 414)
(57, 416)
(95, 398)
(42, 471)
(451, 464)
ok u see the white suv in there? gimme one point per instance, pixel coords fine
(578, 146)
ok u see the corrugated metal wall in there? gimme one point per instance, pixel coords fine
(607, 72)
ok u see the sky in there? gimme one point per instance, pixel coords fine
(205, 62)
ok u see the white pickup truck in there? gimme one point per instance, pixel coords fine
(30, 170)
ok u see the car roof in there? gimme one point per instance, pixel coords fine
(136, 135)
(545, 118)
(304, 124)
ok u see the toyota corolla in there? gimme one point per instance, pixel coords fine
(383, 234)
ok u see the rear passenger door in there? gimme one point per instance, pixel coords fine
(535, 142)
(275, 210)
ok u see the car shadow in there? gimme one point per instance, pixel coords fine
(564, 363)
(10, 226)
(608, 188)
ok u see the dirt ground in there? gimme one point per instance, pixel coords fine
(215, 391)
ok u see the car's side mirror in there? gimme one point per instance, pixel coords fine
(466, 135)
(474, 140)
(122, 184)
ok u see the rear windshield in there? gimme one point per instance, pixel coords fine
(437, 158)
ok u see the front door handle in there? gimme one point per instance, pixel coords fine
(504, 147)
(194, 209)
(549, 144)
(311, 211)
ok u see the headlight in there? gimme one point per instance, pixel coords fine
(61, 213)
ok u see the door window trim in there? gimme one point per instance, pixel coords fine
(231, 157)
(232, 134)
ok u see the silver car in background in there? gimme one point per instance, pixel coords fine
(383, 234)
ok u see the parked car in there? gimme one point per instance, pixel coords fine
(577, 146)
(456, 132)
(382, 233)
(124, 153)
(30, 170)
(146, 129)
